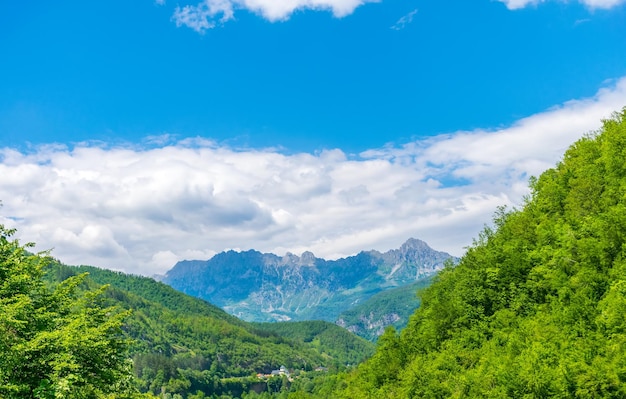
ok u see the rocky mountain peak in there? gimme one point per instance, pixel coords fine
(308, 259)
(413, 244)
(290, 259)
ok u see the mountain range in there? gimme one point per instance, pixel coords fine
(264, 287)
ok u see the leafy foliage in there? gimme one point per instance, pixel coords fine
(536, 307)
(330, 339)
(55, 343)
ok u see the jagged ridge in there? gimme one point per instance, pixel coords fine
(265, 287)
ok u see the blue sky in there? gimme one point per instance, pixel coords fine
(239, 123)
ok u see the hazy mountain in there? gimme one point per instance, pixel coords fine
(265, 287)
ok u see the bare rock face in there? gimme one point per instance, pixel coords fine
(266, 287)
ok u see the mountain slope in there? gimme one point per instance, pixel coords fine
(266, 287)
(335, 341)
(536, 307)
(392, 307)
(183, 344)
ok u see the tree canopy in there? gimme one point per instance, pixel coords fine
(56, 341)
(536, 307)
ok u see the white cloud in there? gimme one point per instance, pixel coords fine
(208, 13)
(140, 210)
(202, 16)
(603, 4)
(404, 21)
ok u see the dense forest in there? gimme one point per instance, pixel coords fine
(183, 345)
(534, 309)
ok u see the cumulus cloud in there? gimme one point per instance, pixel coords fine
(602, 4)
(142, 209)
(209, 13)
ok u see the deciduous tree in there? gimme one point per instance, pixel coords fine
(56, 341)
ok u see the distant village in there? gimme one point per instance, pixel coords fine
(283, 371)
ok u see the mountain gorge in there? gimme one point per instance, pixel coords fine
(265, 287)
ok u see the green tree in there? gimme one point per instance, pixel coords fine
(56, 341)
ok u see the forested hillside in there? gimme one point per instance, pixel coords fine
(536, 308)
(184, 345)
(335, 341)
(392, 307)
